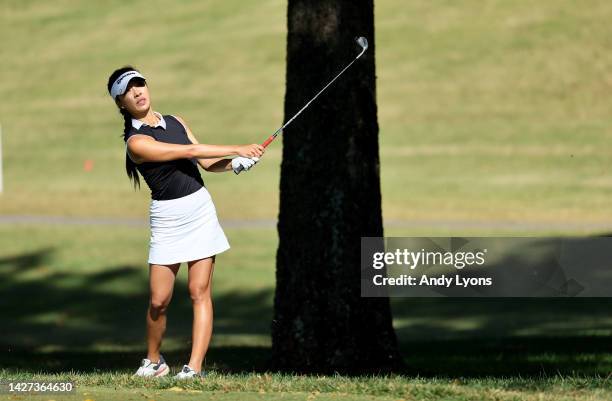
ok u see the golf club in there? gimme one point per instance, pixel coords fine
(363, 43)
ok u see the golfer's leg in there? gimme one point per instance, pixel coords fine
(161, 283)
(200, 281)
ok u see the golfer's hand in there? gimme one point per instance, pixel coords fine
(243, 163)
(254, 150)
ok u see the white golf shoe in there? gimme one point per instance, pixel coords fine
(188, 373)
(151, 369)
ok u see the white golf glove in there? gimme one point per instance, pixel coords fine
(243, 163)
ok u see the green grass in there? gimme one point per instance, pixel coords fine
(291, 387)
(74, 301)
(488, 111)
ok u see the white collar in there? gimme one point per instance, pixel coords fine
(161, 123)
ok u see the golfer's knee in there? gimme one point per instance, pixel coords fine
(199, 293)
(159, 305)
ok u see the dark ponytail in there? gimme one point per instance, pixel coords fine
(130, 166)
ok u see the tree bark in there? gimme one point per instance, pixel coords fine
(329, 198)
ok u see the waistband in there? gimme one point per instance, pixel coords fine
(182, 199)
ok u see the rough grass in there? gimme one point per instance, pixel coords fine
(292, 387)
(74, 301)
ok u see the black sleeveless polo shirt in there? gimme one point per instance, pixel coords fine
(170, 179)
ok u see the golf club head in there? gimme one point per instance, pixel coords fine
(363, 42)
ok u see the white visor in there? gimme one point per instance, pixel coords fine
(121, 83)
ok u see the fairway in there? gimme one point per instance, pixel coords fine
(494, 120)
(493, 113)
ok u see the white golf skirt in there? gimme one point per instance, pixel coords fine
(185, 229)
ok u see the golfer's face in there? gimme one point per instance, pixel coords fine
(136, 97)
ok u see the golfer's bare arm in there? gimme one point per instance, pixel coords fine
(215, 165)
(143, 148)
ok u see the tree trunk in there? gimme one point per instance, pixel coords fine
(329, 198)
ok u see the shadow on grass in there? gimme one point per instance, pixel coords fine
(46, 314)
(49, 313)
(504, 336)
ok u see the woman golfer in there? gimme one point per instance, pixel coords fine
(183, 218)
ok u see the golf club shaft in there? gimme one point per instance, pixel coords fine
(275, 134)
